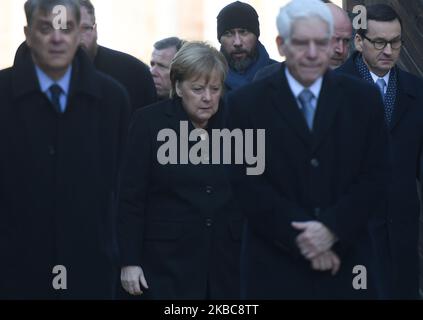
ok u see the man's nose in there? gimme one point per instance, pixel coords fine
(56, 35)
(339, 46)
(388, 49)
(237, 40)
(153, 70)
(311, 50)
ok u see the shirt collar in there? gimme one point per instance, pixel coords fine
(46, 82)
(297, 87)
(376, 77)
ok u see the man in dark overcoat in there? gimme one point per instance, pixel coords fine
(62, 131)
(326, 155)
(395, 235)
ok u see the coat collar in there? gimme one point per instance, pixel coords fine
(349, 66)
(84, 77)
(235, 80)
(285, 102)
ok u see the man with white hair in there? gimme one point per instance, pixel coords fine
(340, 42)
(326, 169)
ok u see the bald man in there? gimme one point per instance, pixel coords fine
(341, 37)
(340, 41)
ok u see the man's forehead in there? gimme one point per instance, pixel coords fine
(383, 28)
(343, 26)
(48, 15)
(373, 24)
(343, 32)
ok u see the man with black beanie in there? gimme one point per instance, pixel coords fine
(238, 31)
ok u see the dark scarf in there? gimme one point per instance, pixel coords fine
(390, 96)
(235, 80)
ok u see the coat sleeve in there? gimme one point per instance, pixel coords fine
(367, 195)
(268, 212)
(134, 183)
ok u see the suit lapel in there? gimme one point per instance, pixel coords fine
(328, 104)
(285, 103)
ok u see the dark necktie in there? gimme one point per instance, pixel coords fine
(56, 91)
(305, 97)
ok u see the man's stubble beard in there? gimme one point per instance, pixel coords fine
(241, 66)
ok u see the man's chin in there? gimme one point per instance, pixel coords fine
(58, 64)
(238, 56)
(335, 63)
(386, 65)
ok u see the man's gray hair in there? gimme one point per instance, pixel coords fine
(47, 6)
(169, 43)
(297, 9)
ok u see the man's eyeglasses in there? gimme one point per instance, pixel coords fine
(381, 44)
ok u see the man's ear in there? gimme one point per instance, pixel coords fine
(178, 89)
(280, 42)
(358, 42)
(27, 36)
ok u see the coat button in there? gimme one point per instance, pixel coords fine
(51, 150)
(209, 190)
(315, 163)
(209, 222)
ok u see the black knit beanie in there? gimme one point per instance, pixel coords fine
(237, 15)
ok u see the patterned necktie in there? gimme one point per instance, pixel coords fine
(56, 91)
(391, 92)
(381, 83)
(305, 97)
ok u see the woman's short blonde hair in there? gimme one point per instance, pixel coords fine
(194, 60)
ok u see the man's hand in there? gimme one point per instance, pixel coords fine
(315, 238)
(131, 277)
(326, 261)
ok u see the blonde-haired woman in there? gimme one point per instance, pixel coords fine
(179, 227)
